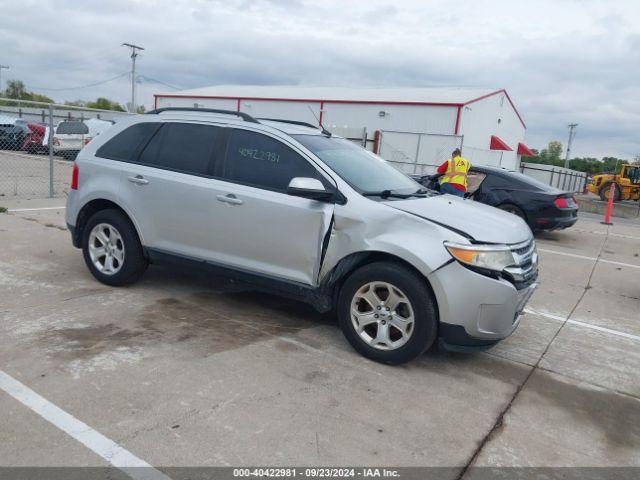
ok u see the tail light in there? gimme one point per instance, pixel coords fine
(87, 140)
(74, 176)
(565, 202)
(56, 141)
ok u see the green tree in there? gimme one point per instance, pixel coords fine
(554, 150)
(549, 155)
(37, 97)
(100, 103)
(17, 89)
(552, 156)
(105, 104)
(613, 164)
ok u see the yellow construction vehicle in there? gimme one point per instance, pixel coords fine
(626, 184)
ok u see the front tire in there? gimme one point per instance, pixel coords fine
(112, 249)
(388, 313)
(604, 192)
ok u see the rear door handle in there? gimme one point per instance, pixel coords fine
(138, 180)
(229, 198)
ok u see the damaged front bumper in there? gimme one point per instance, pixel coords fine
(476, 311)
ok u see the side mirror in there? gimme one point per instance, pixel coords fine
(311, 188)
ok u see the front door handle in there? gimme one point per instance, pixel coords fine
(229, 198)
(138, 180)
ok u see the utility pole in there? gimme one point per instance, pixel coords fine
(572, 134)
(1, 67)
(134, 54)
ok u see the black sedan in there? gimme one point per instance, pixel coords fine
(542, 206)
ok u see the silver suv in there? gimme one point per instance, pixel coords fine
(291, 209)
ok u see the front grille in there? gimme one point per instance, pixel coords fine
(522, 250)
(525, 270)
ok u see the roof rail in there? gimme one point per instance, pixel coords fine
(296, 122)
(245, 116)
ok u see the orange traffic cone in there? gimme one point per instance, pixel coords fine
(607, 215)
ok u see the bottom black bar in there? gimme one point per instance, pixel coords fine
(233, 473)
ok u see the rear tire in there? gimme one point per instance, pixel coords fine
(604, 192)
(112, 249)
(397, 334)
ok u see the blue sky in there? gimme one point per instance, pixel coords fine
(561, 61)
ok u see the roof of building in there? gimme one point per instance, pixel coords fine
(428, 95)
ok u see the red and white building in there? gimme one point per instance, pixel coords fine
(415, 127)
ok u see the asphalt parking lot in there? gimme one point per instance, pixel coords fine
(175, 371)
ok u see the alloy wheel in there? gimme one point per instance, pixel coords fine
(106, 249)
(382, 315)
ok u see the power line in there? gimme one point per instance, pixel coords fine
(88, 60)
(80, 86)
(153, 80)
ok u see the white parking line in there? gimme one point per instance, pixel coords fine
(83, 433)
(584, 257)
(11, 210)
(583, 324)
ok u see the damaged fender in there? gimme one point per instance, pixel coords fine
(386, 230)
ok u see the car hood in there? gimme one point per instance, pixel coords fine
(480, 222)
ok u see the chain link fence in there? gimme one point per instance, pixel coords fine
(35, 163)
(417, 153)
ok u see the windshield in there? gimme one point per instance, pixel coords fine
(363, 170)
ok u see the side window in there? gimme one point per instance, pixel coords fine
(126, 144)
(185, 147)
(498, 181)
(474, 180)
(261, 161)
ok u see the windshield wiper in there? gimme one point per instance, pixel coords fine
(391, 194)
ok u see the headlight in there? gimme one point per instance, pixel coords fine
(490, 257)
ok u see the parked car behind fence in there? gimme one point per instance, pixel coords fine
(69, 138)
(12, 136)
(35, 141)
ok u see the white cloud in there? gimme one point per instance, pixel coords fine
(561, 61)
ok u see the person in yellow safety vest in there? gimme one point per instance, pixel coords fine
(454, 178)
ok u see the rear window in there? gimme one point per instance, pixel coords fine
(72, 128)
(516, 180)
(532, 182)
(126, 145)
